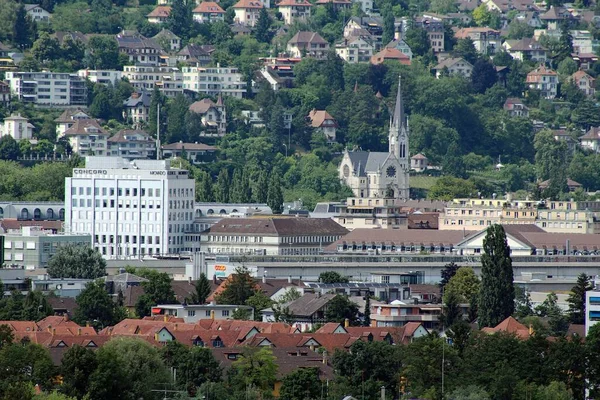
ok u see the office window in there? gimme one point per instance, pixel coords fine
(225, 313)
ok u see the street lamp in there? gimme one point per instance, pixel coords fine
(286, 149)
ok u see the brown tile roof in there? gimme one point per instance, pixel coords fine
(278, 226)
(248, 4)
(160, 12)
(582, 74)
(390, 53)
(592, 134)
(272, 286)
(81, 125)
(294, 3)
(12, 223)
(202, 106)
(427, 220)
(537, 74)
(304, 37)
(208, 7)
(509, 325)
(67, 115)
(188, 146)
(120, 137)
(317, 117)
(330, 327)
(570, 183)
(466, 32)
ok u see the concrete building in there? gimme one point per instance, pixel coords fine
(270, 236)
(139, 49)
(31, 247)
(32, 210)
(18, 127)
(486, 40)
(355, 49)
(101, 76)
(48, 88)
(68, 118)
(192, 313)
(196, 153)
(131, 209)
(307, 44)
(214, 81)
(169, 80)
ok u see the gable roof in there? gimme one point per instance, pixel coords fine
(142, 97)
(160, 12)
(81, 125)
(582, 74)
(202, 106)
(390, 53)
(208, 7)
(294, 3)
(317, 117)
(278, 226)
(309, 304)
(540, 71)
(69, 113)
(592, 134)
(192, 50)
(121, 136)
(248, 4)
(305, 37)
(165, 33)
(509, 325)
(188, 146)
(449, 62)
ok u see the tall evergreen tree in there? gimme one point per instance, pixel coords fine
(177, 111)
(446, 274)
(237, 190)
(23, 28)
(259, 190)
(221, 189)
(274, 194)
(204, 187)
(203, 290)
(367, 311)
(576, 299)
(389, 22)
(497, 293)
(451, 313)
(262, 30)
(180, 20)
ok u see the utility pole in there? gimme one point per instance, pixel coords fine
(158, 131)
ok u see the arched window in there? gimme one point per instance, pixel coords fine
(210, 211)
(222, 212)
(61, 214)
(50, 213)
(24, 213)
(1, 212)
(37, 214)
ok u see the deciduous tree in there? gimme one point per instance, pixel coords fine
(76, 261)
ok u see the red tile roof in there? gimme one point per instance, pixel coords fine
(248, 4)
(160, 12)
(208, 7)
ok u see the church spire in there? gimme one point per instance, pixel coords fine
(398, 117)
(398, 135)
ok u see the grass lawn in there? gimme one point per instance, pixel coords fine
(423, 181)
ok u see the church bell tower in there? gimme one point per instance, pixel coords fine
(398, 135)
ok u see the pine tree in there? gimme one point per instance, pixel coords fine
(204, 187)
(236, 190)
(180, 20)
(451, 308)
(221, 189)
(23, 28)
(177, 111)
(262, 30)
(274, 194)
(497, 293)
(389, 22)
(259, 190)
(576, 299)
(367, 312)
(203, 290)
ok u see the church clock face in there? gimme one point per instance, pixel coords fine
(346, 171)
(391, 172)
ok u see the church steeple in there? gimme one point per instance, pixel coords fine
(398, 135)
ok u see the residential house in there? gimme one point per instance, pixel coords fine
(294, 10)
(68, 118)
(526, 49)
(585, 82)
(254, 118)
(87, 138)
(139, 49)
(419, 162)
(555, 16)
(6, 61)
(215, 81)
(271, 236)
(168, 40)
(37, 13)
(531, 18)
(198, 55)
(338, 5)
(516, 107)
(390, 54)
(584, 42)
(104, 77)
(207, 12)
(421, 317)
(131, 144)
(435, 32)
(213, 115)
(247, 11)
(563, 135)
(159, 15)
(168, 80)
(355, 49)
(584, 60)
(510, 326)
(401, 45)
(306, 311)
(366, 6)
(4, 94)
(196, 153)
(486, 40)
(365, 26)
(309, 44)
(17, 127)
(453, 66)
(323, 122)
(545, 80)
(137, 107)
(591, 139)
(192, 313)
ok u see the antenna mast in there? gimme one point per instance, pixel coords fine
(158, 131)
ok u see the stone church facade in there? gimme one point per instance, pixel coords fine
(380, 174)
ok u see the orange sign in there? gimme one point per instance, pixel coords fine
(220, 268)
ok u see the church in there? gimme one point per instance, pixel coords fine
(379, 174)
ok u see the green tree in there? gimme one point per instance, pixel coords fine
(23, 364)
(341, 308)
(238, 289)
(9, 148)
(36, 306)
(76, 261)
(497, 293)
(523, 305)
(446, 274)
(418, 41)
(103, 53)
(389, 24)
(262, 30)
(550, 155)
(471, 392)
(452, 163)
(95, 306)
(259, 301)
(483, 76)
(274, 194)
(180, 20)
(194, 366)
(76, 367)
(202, 290)
(464, 284)
(576, 299)
(157, 290)
(256, 367)
(465, 48)
(332, 277)
(177, 111)
(156, 121)
(550, 309)
(301, 384)
(448, 188)
(102, 106)
(367, 311)
(567, 67)
(451, 312)
(23, 28)
(259, 190)
(45, 48)
(204, 187)
(6, 335)
(221, 189)
(482, 16)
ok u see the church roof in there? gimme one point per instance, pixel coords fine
(366, 161)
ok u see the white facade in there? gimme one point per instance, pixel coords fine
(18, 127)
(592, 309)
(354, 50)
(37, 13)
(130, 209)
(100, 76)
(48, 88)
(169, 80)
(214, 81)
(192, 313)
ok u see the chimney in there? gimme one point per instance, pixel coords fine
(53, 331)
(289, 279)
(264, 277)
(383, 393)
(165, 318)
(325, 357)
(87, 324)
(212, 314)
(190, 280)
(78, 331)
(346, 323)
(49, 328)
(175, 328)
(156, 336)
(215, 279)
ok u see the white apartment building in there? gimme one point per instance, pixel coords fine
(213, 81)
(169, 80)
(248, 11)
(87, 138)
(101, 76)
(48, 88)
(131, 209)
(18, 127)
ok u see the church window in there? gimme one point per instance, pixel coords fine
(346, 170)
(391, 171)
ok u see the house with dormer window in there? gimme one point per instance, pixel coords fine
(87, 138)
(247, 12)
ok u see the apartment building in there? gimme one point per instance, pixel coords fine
(545, 80)
(131, 144)
(48, 88)
(87, 138)
(192, 313)
(169, 80)
(435, 32)
(214, 81)
(309, 44)
(208, 11)
(101, 76)
(294, 10)
(592, 308)
(139, 49)
(486, 40)
(131, 209)
(247, 11)
(32, 247)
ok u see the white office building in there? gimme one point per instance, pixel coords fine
(214, 81)
(131, 209)
(48, 88)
